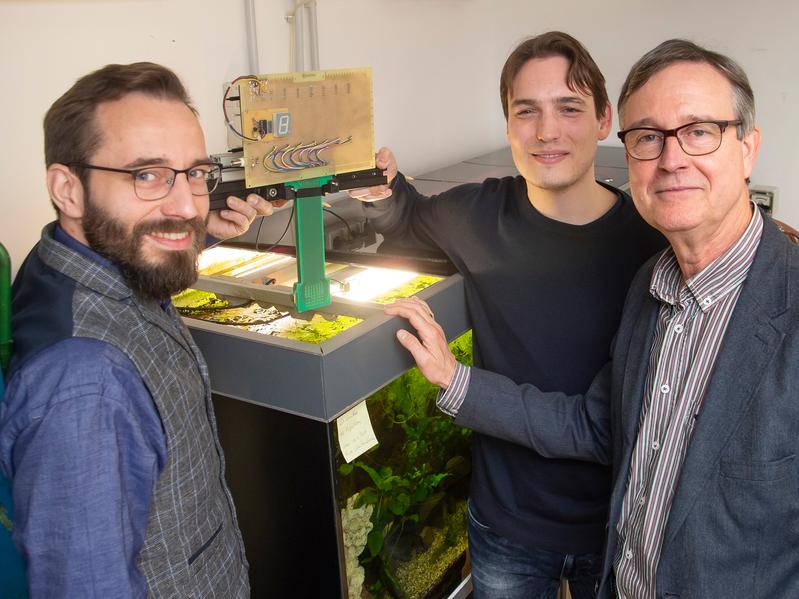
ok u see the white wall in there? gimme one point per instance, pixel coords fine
(436, 69)
(46, 45)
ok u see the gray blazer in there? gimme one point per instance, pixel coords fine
(733, 529)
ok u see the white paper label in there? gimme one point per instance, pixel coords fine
(355, 433)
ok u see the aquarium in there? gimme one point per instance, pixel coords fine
(403, 503)
(277, 318)
(389, 523)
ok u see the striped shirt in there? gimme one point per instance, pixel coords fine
(450, 400)
(692, 320)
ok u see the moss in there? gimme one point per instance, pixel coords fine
(276, 321)
(206, 306)
(194, 298)
(319, 329)
(408, 289)
(426, 568)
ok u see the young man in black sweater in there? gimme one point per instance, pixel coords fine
(547, 258)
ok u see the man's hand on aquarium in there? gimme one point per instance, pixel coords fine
(237, 217)
(430, 350)
(384, 160)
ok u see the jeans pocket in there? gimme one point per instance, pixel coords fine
(474, 520)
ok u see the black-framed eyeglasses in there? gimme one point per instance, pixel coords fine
(155, 182)
(695, 139)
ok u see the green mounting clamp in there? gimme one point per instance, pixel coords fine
(312, 289)
(5, 309)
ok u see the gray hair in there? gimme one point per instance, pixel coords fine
(677, 50)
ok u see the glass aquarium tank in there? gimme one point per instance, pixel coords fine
(391, 523)
(403, 503)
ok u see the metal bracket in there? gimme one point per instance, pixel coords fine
(312, 289)
(289, 191)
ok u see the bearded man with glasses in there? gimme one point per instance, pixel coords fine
(697, 412)
(107, 430)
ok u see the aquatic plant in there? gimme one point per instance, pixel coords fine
(410, 288)
(276, 320)
(416, 479)
(319, 328)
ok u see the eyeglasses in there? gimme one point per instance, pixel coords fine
(155, 182)
(695, 139)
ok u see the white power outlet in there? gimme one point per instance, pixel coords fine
(765, 196)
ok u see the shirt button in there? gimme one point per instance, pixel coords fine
(641, 500)
(678, 328)
(707, 301)
(655, 445)
(629, 554)
(665, 389)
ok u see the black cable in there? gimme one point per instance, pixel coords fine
(258, 234)
(288, 224)
(346, 224)
(224, 106)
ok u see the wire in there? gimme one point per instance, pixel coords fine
(224, 105)
(258, 235)
(283, 160)
(288, 224)
(346, 224)
(344, 286)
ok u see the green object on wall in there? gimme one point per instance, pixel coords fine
(312, 289)
(5, 310)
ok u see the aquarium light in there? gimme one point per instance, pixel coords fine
(370, 283)
(235, 262)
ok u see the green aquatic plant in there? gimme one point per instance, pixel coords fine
(319, 329)
(251, 316)
(416, 479)
(410, 288)
(197, 299)
(443, 546)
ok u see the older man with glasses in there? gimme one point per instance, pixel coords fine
(697, 412)
(107, 430)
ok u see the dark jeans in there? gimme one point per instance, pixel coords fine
(502, 569)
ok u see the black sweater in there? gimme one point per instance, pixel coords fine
(545, 299)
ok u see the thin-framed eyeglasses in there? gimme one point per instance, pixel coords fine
(695, 139)
(155, 182)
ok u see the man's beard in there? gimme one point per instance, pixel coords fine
(175, 270)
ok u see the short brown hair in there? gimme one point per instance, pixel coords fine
(70, 131)
(583, 74)
(677, 50)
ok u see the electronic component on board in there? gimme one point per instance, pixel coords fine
(296, 126)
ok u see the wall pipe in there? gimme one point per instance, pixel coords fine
(303, 17)
(252, 37)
